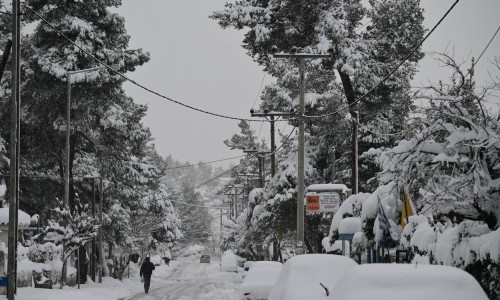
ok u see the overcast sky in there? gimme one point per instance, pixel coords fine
(196, 62)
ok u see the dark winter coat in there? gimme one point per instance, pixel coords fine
(147, 268)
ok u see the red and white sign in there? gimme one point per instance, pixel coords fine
(324, 202)
(312, 203)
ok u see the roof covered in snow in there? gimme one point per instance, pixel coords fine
(324, 187)
(23, 218)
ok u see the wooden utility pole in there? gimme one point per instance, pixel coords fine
(233, 192)
(260, 157)
(300, 177)
(273, 149)
(354, 179)
(299, 249)
(261, 171)
(333, 165)
(14, 152)
(101, 242)
(271, 115)
(94, 248)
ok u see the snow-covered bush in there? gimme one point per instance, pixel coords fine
(450, 168)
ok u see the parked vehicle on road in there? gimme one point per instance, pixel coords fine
(247, 265)
(228, 262)
(259, 280)
(310, 276)
(408, 282)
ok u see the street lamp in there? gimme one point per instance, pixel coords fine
(68, 124)
(66, 173)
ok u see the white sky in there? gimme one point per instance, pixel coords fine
(196, 62)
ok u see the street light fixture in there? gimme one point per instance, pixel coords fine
(68, 124)
(66, 171)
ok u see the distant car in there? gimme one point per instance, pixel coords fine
(205, 259)
(228, 262)
(259, 280)
(310, 277)
(408, 282)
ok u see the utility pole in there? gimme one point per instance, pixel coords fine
(101, 243)
(260, 156)
(233, 191)
(333, 164)
(354, 180)
(300, 176)
(68, 128)
(247, 177)
(94, 247)
(14, 151)
(271, 115)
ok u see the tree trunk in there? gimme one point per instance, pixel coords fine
(351, 98)
(348, 90)
(83, 264)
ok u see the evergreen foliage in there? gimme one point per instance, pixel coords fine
(107, 137)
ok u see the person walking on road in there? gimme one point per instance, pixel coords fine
(147, 268)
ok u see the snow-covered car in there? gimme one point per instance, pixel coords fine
(247, 265)
(408, 282)
(259, 280)
(310, 276)
(228, 262)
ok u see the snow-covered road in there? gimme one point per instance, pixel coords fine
(182, 280)
(192, 280)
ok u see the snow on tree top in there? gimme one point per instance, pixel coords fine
(23, 218)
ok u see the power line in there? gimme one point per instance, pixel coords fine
(281, 146)
(260, 88)
(484, 50)
(194, 205)
(204, 163)
(391, 72)
(257, 97)
(133, 81)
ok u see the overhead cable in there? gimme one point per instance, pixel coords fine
(485, 48)
(260, 88)
(204, 163)
(194, 205)
(133, 81)
(281, 146)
